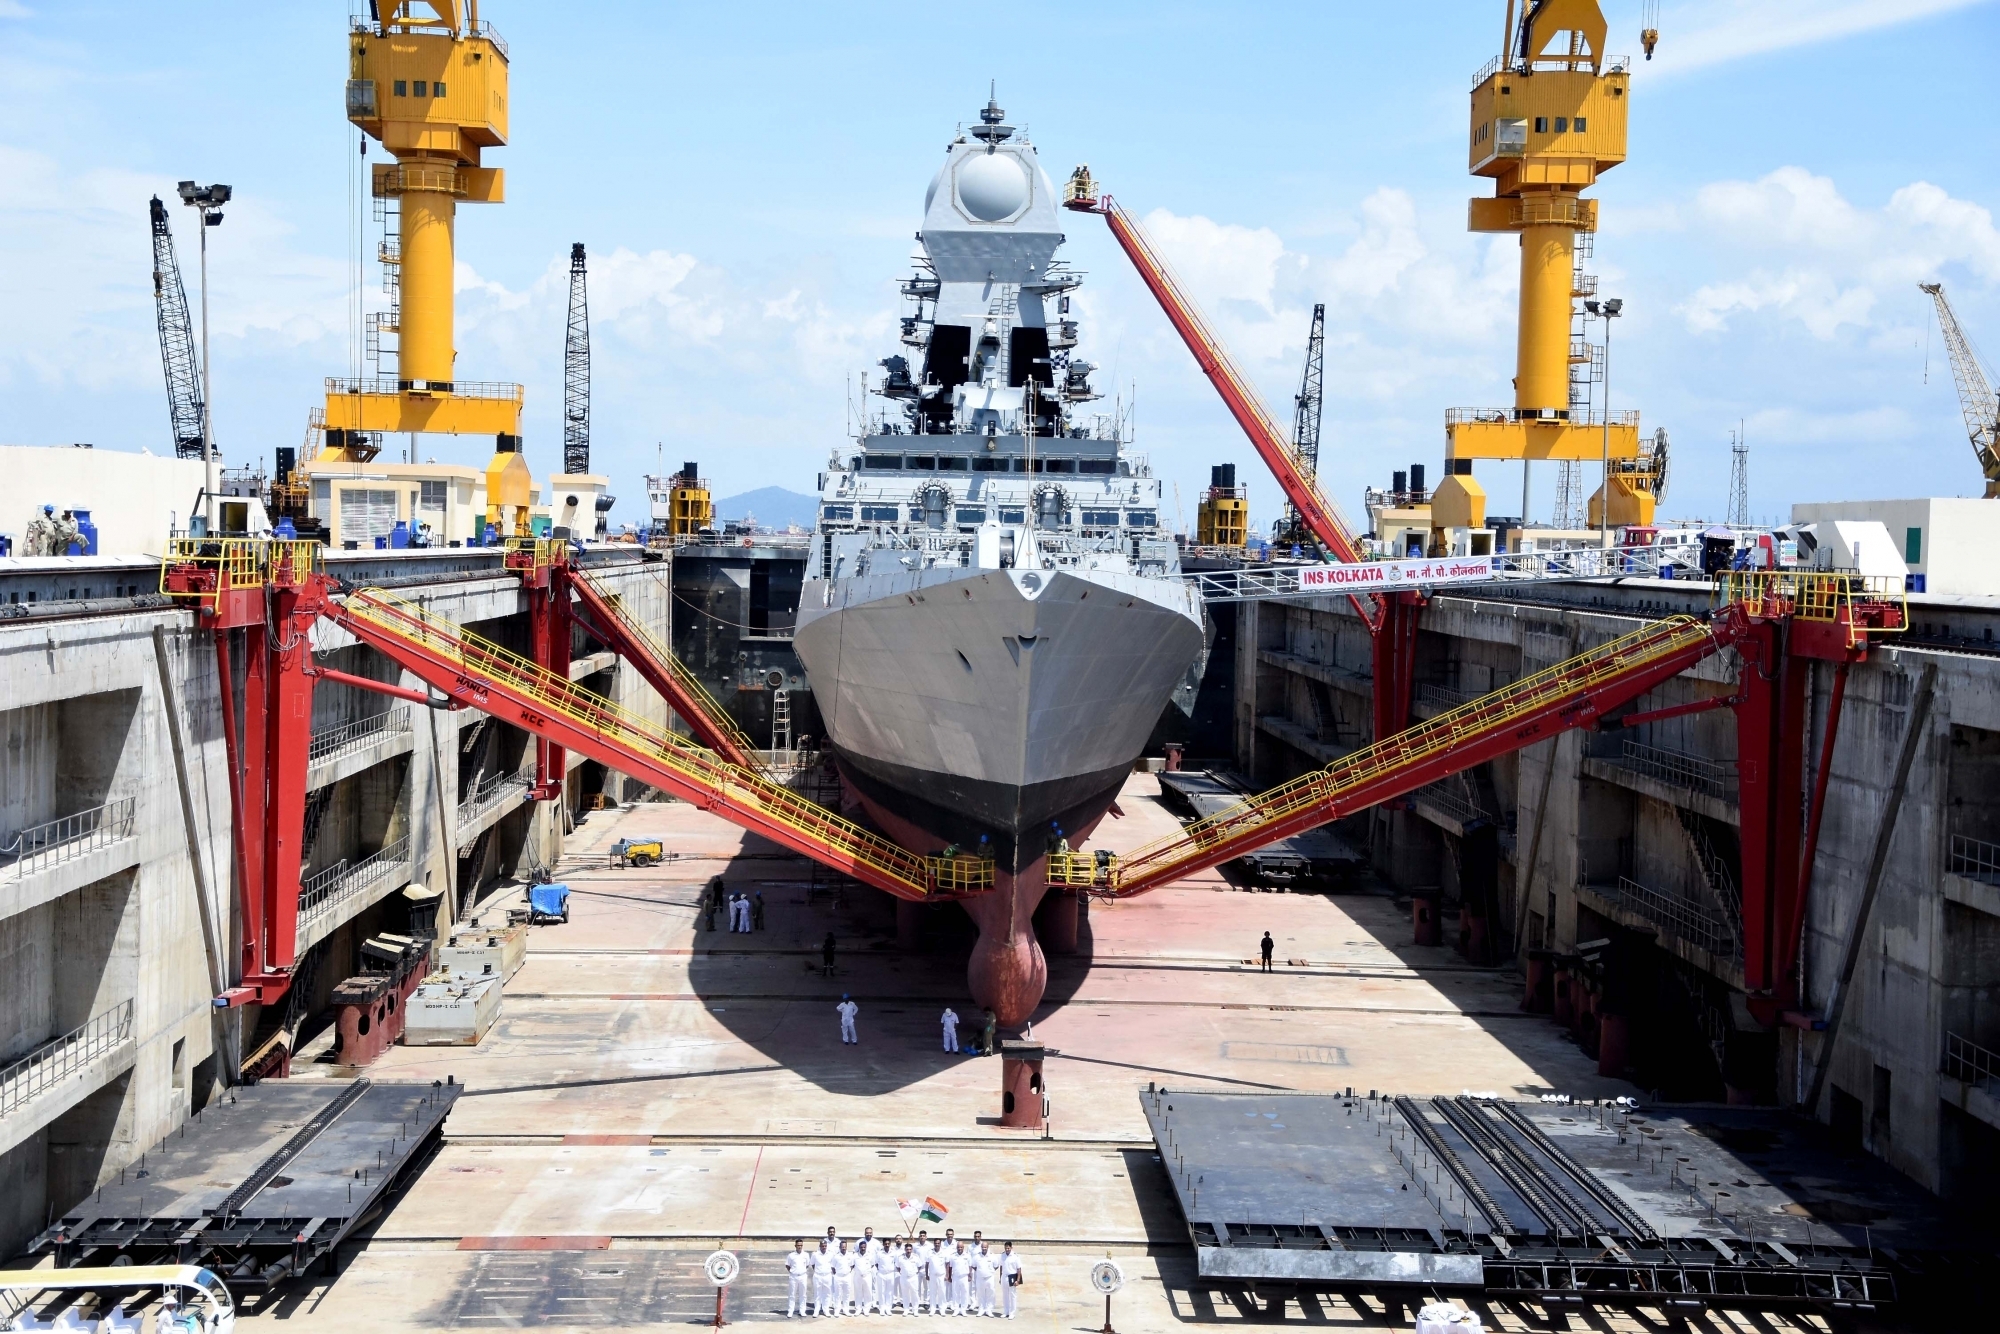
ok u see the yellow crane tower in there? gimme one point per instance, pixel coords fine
(1548, 118)
(428, 80)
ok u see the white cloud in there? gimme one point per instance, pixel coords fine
(14, 9)
(1791, 244)
(1703, 33)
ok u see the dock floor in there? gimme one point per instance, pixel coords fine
(651, 1088)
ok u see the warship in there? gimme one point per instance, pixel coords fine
(992, 618)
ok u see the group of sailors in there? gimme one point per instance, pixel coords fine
(875, 1276)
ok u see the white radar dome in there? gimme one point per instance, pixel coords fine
(992, 186)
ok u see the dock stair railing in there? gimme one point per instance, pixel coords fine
(56, 1060)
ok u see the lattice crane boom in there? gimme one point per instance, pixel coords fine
(1316, 512)
(1975, 391)
(576, 370)
(177, 349)
(1307, 409)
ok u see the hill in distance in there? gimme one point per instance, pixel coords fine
(772, 507)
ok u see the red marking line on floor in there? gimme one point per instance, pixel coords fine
(534, 1243)
(750, 1194)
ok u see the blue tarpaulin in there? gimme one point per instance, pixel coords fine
(549, 900)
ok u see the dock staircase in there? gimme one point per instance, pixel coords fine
(603, 614)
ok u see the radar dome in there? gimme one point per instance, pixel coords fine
(992, 186)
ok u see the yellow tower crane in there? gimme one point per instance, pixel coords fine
(428, 80)
(1548, 118)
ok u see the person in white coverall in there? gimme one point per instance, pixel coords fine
(822, 1281)
(950, 1022)
(798, 1275)
(1010, 1280)
(847, 1010)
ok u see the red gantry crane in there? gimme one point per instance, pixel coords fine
(1390, 617)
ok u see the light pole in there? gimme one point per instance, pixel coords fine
(1609, 308)
(207, 200)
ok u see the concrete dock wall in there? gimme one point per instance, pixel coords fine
(1633, 837)
(107, 1036)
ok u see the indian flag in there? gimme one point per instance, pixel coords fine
(933, 1210)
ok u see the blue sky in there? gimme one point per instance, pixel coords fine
(747, 179)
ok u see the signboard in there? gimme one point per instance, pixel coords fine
(1378, 575)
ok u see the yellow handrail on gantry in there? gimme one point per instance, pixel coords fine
(1075, 870)
(730, 785)
(964, 874)
(234, 563)
(1866, 603)
(718, 717)
(1412, 746)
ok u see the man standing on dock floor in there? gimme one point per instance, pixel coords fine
(798, 1274)
(1266, 946)
(950, 1022)
(848, 1009)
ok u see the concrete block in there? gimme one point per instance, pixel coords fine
(499, 952)
(449, 1012)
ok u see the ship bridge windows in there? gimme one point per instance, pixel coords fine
(1100, 518)
(920, 462)
(881, 513)
(1016, 515)
(882, 462)
(971, 515)
(946, 463)
(1142, 519)
(837, 513)
(986, 463)
(1058, 465)
(1103, 466)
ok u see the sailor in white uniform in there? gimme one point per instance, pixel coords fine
(883, 1260)
(950, 1021)
(843, 1281)
(847, 1010)
(983, 1274)
(906, 1279)
(931, 1273)
(798, 1275)
(822, 1262)
(864, 1271)
(1010, 1280)
(961, 1280)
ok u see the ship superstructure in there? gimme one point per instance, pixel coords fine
(993, 618)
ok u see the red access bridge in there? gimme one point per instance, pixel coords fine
(266, 596)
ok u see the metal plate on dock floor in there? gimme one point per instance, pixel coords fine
(1739, 1206)
(262, 1181)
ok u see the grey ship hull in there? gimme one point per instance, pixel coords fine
(967, 702)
